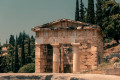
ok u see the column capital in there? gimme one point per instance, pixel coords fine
(55, 45)
(75, 44)
(37, 44)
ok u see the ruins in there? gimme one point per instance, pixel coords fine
(67, 46)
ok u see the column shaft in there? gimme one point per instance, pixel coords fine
(76, 57)
(37, 59)
(56, 58)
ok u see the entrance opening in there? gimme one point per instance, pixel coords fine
(48, 54)
(66, 59)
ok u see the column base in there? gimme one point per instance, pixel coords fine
(55, 67)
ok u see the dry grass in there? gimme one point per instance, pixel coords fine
(101, 68)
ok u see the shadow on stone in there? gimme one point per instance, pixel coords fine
(48, 77)
(6, 77)
(28, 77)
(78, 79)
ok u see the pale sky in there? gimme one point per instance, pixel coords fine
(19, 15)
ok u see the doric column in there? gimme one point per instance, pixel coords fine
(62, 60)
(56, 58)
(76, 57)
(37, 58)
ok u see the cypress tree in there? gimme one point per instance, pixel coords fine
(77, 11)
(12, 40)
(82, 12)
(22, 54)
(29, 50)
(20, 39)
(16, 57)
(12, 60)
(6, 41)
(0, 48)
(90, 12)
(99, 13)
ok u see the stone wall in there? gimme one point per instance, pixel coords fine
(90, 49)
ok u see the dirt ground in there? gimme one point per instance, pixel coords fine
(56, 76)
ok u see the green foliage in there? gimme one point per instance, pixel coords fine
(20, 39)
(5, 64)
(23, 44)
(107, 40)
(22, 54)
(111, 20)
(29, 49)
(12, 40)
(0, 48)
(82, 12)
(99, 13)
(16, 66)
(77, 11)
(90, 12)
(29, 68)
(11, 55)
(28, 59)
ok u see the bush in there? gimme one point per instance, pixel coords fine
(107, 40)
(10, 72)
(29, 68)
(111, 55)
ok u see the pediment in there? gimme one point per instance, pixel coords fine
(62, 23)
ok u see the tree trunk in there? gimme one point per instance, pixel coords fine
(117, 41)
(117, 38)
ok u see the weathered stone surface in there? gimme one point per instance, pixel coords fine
(114, 59)
(112, 71)
(63, 32)
(116, 65)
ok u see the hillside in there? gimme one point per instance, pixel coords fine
(111, 49)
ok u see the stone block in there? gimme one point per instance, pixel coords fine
(37, 63)
(55, 67)
(37, 59)
(93, 49)
(37, 56)
(37, 70)
(116, 65)
(94, 67)
(112, 71)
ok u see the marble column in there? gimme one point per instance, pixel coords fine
(76, 57)
(56, 58)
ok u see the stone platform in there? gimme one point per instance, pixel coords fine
(55, 76)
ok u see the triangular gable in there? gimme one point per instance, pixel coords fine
(62, 23)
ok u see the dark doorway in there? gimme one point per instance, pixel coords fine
(66, 58)
(48, 54)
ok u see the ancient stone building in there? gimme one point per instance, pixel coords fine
(67, 46)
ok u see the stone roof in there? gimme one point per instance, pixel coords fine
(48, 26)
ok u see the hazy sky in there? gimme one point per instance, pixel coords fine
(19, 15)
